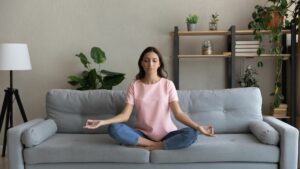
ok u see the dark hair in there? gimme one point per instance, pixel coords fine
(161, 72)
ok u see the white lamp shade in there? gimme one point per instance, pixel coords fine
(14, 56)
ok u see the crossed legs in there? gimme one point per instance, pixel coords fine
(126, 135)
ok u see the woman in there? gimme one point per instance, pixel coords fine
(153, 96)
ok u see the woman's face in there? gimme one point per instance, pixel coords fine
(150, 63)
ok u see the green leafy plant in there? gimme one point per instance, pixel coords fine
(248, 79)
(295, 13)
(272, 17)
(94, 78)
(214, 18)
(192, 19)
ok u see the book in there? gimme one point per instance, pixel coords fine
(246, 46)
(250, 42)
(246, 54)
(280, 111)
(282, 105)
(246, 50)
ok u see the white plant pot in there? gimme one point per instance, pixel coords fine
(191, 27)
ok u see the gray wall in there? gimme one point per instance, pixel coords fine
(56, 30)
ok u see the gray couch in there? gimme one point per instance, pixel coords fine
(60, 142)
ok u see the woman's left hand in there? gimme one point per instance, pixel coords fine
(206, 130)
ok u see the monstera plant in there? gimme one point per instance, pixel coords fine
(92, 77)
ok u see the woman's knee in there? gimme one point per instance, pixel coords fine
(114, 128)
(190, 134)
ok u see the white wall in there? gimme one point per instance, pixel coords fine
(56, 30)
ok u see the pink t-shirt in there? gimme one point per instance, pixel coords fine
(151, 101)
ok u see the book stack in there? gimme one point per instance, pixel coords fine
(280, 111)
(246, 48)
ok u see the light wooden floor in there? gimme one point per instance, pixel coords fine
(3, 162)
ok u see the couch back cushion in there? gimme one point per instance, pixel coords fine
(71, 108)
(228, 110)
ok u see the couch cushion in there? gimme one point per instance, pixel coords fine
(228, 110)
(71, 108)
(39, 133)
(64, 148)
(264, 132)
(221, 148)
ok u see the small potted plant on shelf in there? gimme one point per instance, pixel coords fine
(191, 22)
(213, 24)
(94, 78)
(272, 17)
(248, 79)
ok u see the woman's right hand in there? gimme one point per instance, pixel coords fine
(206, 130)
(93, 124)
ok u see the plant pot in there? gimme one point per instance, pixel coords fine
(213, 26)
(191, 26)
(276, 20)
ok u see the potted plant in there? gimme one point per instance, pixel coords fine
(213, 24)
(272, 17)
(191, 22)
(248, 79)
(94, 78)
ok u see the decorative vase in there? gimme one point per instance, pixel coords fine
(213, 26)
(191, 26)
(207, 47)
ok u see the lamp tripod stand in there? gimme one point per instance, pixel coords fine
(7, 110)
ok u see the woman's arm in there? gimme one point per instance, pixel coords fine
(183, 118)
(122, 117)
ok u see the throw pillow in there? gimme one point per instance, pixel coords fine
(39, 133)
(264, 132)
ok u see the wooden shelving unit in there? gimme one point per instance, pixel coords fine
(197, 33)
(271, 56)
(231, 57)
(282, 117)
(224, 32)
(204, 56)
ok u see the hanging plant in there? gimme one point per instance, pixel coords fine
(271, 17)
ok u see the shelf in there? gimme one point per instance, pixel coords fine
(281, 117)
(250, 32)
(228, 54)
(204, 56)
(196, 33)
(285, 56)
(224, 32)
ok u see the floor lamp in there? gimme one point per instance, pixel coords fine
(13, 56)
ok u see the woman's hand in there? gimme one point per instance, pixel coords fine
(93, 124)
(206, 130)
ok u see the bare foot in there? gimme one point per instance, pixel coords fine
(137, 146)
(157, 146)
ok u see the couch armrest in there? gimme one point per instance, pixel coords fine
(15, 146)
(288, 142)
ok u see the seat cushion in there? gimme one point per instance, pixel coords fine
(221, 148)
(64, 148)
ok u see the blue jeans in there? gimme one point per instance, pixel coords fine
(124, 134)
